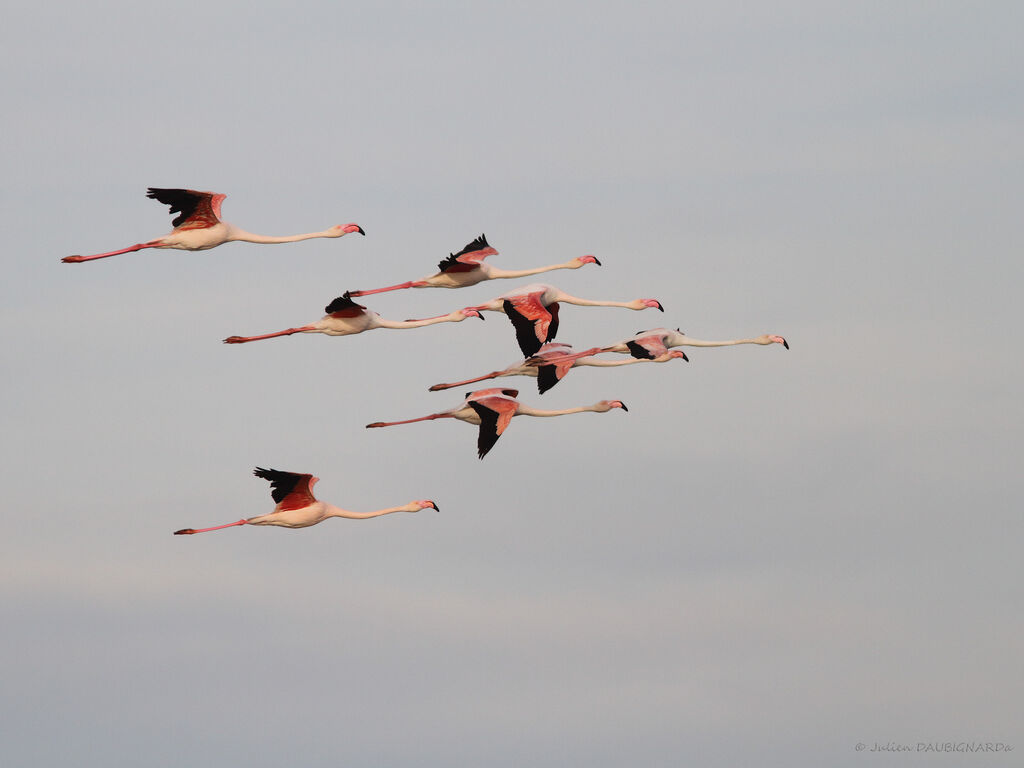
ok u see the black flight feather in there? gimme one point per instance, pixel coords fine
(488, 435)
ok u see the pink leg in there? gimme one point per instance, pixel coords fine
(79, 259)
(244, 339)
(491, 375)
(399, 287)
(189, 531)
(409, 421)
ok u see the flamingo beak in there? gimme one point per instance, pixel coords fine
(683, 355)
(591, 260)
(434, 505)
(350, 228)
(785, 344)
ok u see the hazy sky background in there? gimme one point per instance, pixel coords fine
(772, 557)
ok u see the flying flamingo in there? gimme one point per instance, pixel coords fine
(533, 310)
(467, 267)
(344, 317)
(297, 507)
(198, 226)
(493, 409)
(656, 341)
(553, 362)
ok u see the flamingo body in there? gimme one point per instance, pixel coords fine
(493, 409)
(467, 267)
(553, 362)
(345, 317)
(297, 507)
(198, 226)
(533, 310)
(657, 341)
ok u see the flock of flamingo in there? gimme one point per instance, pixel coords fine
(532, 309)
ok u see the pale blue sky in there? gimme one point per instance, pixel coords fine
(772, 557)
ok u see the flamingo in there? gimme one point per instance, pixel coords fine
(533, 310)
(656, 341)
(467, 267)
(198, 226)
(493, 409)
(553, 362)
(344, 317)
(297, 507)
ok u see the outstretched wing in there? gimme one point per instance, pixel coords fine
(468, 258)
(343, 306)
(289, 490)
(495, 415)
(197, 210)
(532, 320)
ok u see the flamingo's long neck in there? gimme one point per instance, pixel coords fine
(525, 410)
(333, 511)
(588, 303)
(249, 237)
(599, 363)
(449, 318)
(499, 274)
(688, 342)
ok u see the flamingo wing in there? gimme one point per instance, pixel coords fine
(343, 306)
(495, 415)
(197, 210)
(289, 490)
(532, 320)
(469, 258)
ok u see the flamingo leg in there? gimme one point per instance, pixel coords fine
(244, 339)
(399, 287)
(409, 421)
(136, 247)
(189, 531)
(491, 375)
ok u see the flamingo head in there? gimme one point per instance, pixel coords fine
(646, 303)
(607, 405)
(426, 504)
(673, 353)
(470, 312)
(777, 340)
(580, 261)
(339, 231)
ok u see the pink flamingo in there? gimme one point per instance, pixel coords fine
(198, 226)
(656, 341)
(467, 267)
(297, 507)
(553, 362)
(533, 310)
(493, 409)
(344, 317)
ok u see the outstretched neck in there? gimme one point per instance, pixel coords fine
(497, 274)
(525, 410)
(599, 363)
(700, 343)
(249, 237)
(450, 318)
(588, 303)
(333, 511)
